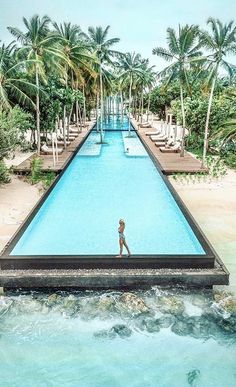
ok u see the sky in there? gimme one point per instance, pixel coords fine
(140, 24)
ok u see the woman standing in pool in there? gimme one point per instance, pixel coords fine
(122, 241)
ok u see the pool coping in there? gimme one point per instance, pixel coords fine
(18, 262)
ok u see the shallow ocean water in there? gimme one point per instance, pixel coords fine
(157, 337)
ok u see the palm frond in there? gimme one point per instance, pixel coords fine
(163, 53)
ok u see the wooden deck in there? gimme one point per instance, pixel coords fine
(48, 166)
(170, 162)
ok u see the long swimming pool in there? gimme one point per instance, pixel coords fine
(103, 183)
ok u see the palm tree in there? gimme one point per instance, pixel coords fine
(130, 66)
(38, 45)
(76, 55)
(183, 50)
(146, 81)
(13, 82)
(101, 46)
(220, 42)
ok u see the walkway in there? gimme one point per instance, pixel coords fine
(170, 163)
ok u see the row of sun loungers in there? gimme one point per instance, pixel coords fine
(163, 142)
(48, 150)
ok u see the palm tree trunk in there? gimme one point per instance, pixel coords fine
(84, 107)
(77, 113)
(64, 125)
(135, 107)
(206, 134)
(183, 121)
(122, 106)
(97, 108)
(148, 107)
(68, 122)
(80, 118)
(101, 104)
(142, 106)
(130, 89)
(37, 112)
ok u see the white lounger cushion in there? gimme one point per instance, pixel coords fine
(47, 149)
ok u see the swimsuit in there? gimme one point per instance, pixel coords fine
(121, 236)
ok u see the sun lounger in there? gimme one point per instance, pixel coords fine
(173, 149)
(71, 137)
(61, 142)
(162, 137)
(74, 131)
(161, 143)
(145, 125)
(48, 150)
(152, 133)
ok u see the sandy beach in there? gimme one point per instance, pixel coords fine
(213, 205)
(16, 200)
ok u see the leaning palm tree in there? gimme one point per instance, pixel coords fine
(102, 48)
(183, 50)
(220, 42)
(38, 45)
(130, 66)
(13, 81)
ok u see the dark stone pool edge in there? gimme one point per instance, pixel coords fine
(114, 278)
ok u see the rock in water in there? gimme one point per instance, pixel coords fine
(53, 300)
(121, 330)
(166, 321)
(105, 334)
(192, 377)
(70, 306)
(152, 326)
(181, 328)
(129, 303)
(106, 304)
(171, 305)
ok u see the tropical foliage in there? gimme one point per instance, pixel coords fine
(54, 73)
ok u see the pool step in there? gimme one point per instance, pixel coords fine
(133, 146)
(91, 147)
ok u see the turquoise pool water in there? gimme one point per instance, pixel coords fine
(102, 184)
(160, 337)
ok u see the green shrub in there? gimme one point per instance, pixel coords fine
(13, 125)
(36, 170)
(230, 160)
(196, 111)
(4, 174)
(36, 175)
(48, 179)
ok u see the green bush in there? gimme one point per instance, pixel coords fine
(4, 174)
(13, 125)
(230, 160)
(37, 176)
(196, 111)
(48, 179)
(36, 170)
